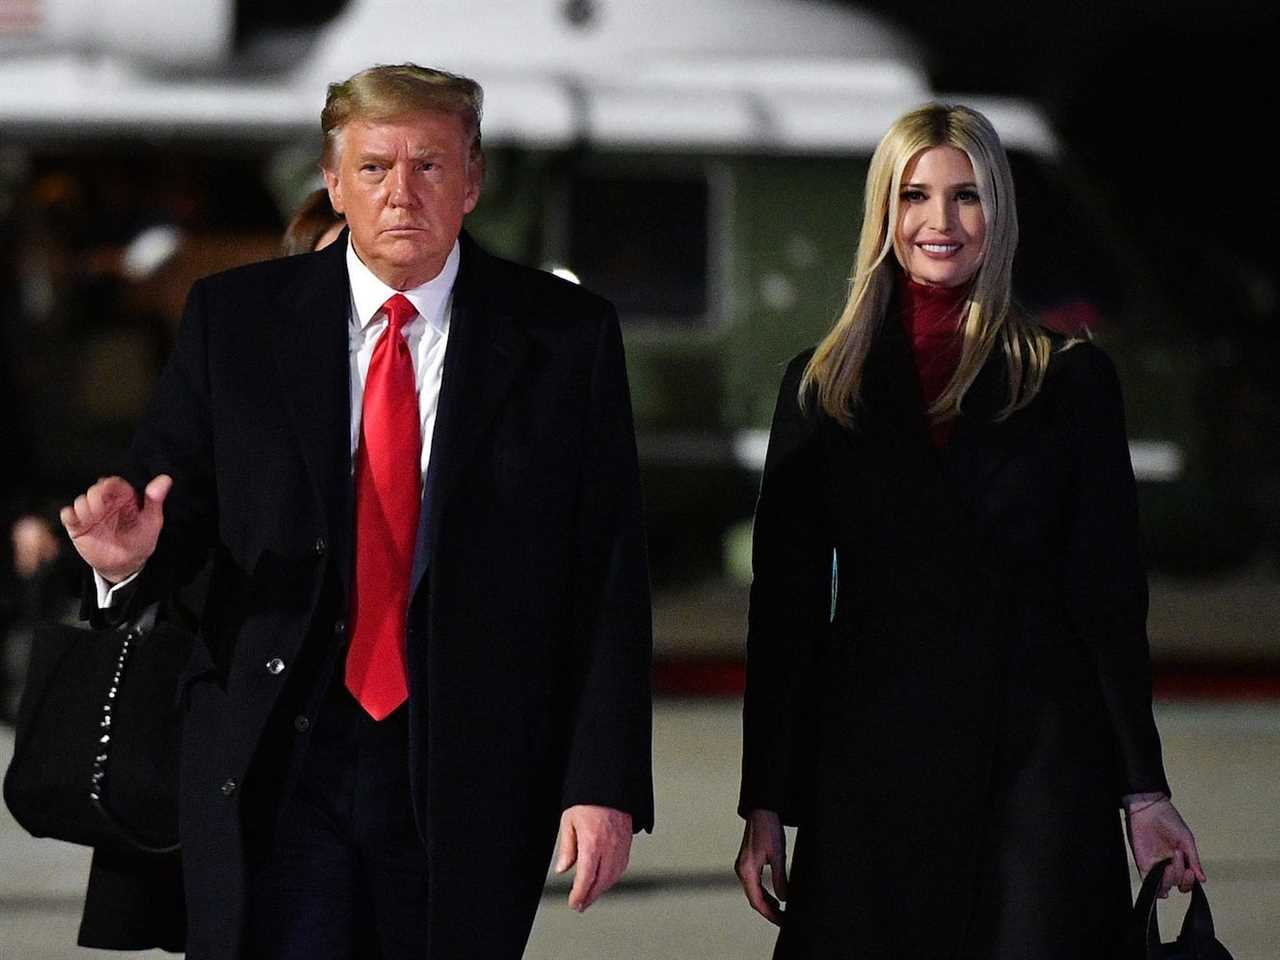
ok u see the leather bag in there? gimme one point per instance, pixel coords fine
(95, 757)
(1196, 941)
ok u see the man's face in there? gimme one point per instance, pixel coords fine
(404, 185)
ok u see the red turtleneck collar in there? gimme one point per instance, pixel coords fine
(931, 318)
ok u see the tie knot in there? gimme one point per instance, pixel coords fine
(399, 311)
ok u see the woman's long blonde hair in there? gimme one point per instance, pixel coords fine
(834, 372)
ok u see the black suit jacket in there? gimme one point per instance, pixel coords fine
(529, 637)
(953, 711)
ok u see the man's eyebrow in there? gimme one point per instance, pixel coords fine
(427, 153)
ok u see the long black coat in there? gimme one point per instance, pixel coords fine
(953, 728)
(529, 627)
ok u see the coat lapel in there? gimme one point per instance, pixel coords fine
(981, 445)
(932, 523)
(485, 351)
(892, 411)
(309, 333)
(935, 495)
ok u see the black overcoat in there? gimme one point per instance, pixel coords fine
(529, 638)
(948, 680)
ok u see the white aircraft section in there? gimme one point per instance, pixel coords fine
(71, 96)
(619, 37)
(198, 33)
(785, 76)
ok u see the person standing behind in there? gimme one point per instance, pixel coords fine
(955, 722)
(427, 635)
(314, 225)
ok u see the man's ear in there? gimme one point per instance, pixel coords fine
(475, 177)
(334, 186)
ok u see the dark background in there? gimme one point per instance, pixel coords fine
(1167, 109)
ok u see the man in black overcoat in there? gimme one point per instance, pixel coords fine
(318, 819)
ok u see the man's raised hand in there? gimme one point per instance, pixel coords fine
(112, 530)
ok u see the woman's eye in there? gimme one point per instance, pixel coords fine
(967, 196)
(913, 196)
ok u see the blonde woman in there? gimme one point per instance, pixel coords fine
(948, 682)
(314, 226)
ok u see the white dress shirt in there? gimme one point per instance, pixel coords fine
(427, 335)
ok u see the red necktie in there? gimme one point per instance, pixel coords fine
(388, 497)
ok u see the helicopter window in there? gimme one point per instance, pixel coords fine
(643, 244)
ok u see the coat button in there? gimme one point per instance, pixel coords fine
(339, 627)
(228, 787)
(275, 666)
(319, 548)
(301, 723)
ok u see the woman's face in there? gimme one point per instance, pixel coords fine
(941, 226)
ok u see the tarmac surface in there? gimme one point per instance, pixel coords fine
(680, 899)
(1230, 618)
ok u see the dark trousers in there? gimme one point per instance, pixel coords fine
(346, 878)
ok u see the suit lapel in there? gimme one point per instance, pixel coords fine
(484, 353)
(309, 333)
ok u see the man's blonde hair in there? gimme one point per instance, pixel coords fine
(387, 91)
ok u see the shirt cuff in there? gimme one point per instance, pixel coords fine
(109, 593)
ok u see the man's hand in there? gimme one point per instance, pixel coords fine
(598, 840)
(111, 530)
(1156, 830)
(764, 842)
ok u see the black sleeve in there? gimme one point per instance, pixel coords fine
(610, 761)
(174, 437)
(1106, 576)
(134, 902)
(790, 608)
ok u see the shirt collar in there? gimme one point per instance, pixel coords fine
(431, 299)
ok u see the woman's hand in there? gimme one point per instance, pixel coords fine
(764, 843)
(1156, 831)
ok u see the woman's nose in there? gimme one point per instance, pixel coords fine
(941, 215)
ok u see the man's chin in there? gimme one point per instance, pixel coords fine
(397, 265)
(410, 246)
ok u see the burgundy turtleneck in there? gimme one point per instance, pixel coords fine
(931, 319)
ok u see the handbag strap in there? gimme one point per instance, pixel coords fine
(1145, 929)
(131, 634)
(1197, 924)
(146, 620)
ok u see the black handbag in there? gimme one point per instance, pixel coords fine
(95, 758)
(1196, 941)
